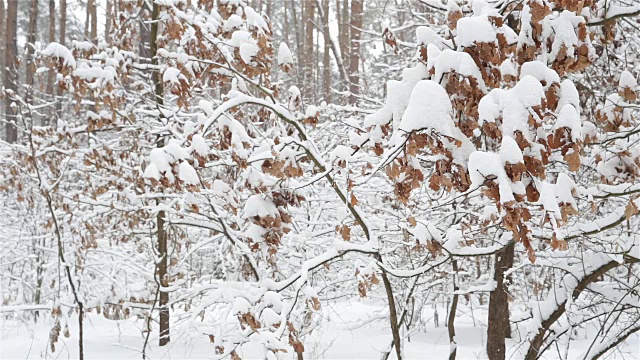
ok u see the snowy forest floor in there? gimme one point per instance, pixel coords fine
(354, 330)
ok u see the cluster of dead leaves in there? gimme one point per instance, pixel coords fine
(406, 178)
(365, 282)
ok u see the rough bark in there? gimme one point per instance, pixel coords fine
(162, 265)
(10, 69)
(498, 319)
(354, 58)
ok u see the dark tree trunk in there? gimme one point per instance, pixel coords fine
(162, 265)
(452, 315)
(499, 327)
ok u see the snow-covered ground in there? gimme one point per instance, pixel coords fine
(355, 330)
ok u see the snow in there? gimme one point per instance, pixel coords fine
(248, 51)
(254, 19)
(564, 190)
(510, 153)
(61, 52)
(425, 36)
(233, 22)
(152, 172)
(570, 119)
(341, 152)
(399, 93)
(199, 145)
(627, 80)
(82, 45)
(425, 232)
(108, 73)
(173, 75)
(240, 37)
(259, 205)
(351, 330)
(540, 71)
(432, 114)
(473, 30)
(508, 68)
(565, 34)
(484, 165)
(312, 111)
(188, 174)
(513, 106)
(284, 55)
(460, 62)
(568, 95)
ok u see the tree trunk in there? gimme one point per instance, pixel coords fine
(107, 23)
(326, 60)
(51, 76)
(452, 315)
(162, 265)
(3, 28)
(93, 11)
(307, 71)
(499, 327)
(335, 47)
(296, 30)
(63, 22)
(354, 60)
(31, 41)
(343, 28)
(145, 34)
(87, 19)
(10, 70)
